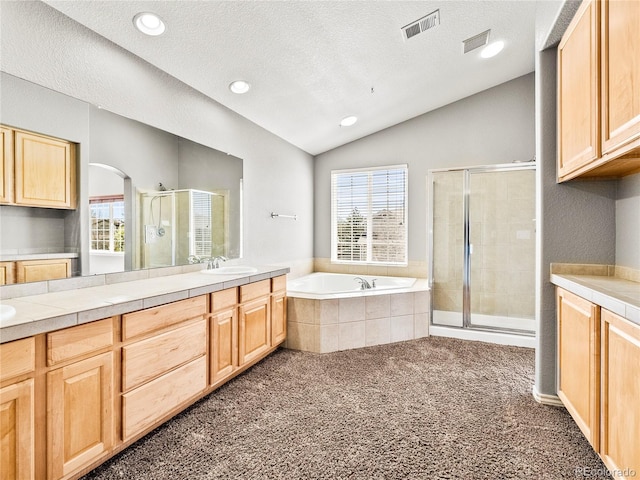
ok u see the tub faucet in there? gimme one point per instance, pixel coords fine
(194, 259)
(364, 285)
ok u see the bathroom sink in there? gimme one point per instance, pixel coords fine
(230, 270)
(7, 312)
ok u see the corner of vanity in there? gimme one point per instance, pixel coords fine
(102, 366)
(598, 358)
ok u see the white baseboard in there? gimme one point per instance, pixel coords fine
(546, 399)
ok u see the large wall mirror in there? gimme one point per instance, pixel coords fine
(147, 198)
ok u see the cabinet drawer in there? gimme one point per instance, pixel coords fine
(145, 360)
(255, 290)
(144, 406)
(41, 270)
(7, 273)
(279, 283)
(151, 319)
(77, 341)
(17, 358)
(224, 299)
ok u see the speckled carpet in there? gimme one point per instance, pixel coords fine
(433, 408)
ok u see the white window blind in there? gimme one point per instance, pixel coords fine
(369, 215)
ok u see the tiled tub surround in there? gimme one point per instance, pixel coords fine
(71, 302)
(357, 319)
(611, 287)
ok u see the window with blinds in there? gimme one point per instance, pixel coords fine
(369, 215)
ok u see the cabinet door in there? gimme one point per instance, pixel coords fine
(578, 102)
(44, 171)
(620, 442)
(278, 318)
(224, 344)
(79, 414)
(40, 270)
(17, 431)
(579, 361)
(6, 165)
(254, 332)
(620, 73)
(7, 273)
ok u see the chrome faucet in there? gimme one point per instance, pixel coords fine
(364, 284)
(194, 259)
(216, 261)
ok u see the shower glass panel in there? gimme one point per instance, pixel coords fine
(483, 248)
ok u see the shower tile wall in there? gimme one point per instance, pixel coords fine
(502, 232)
(447, 241)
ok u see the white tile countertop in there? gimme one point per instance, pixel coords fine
(37, 314)
(617, 295)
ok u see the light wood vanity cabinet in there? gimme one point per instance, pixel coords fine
(39, 270)
(223, 334)
(579, 361)
(254, 321)
(17, 411)
(94, 389)
(599, 378)
(166, 364)
(620, 420)
(80, 397)
(38, 171)
(7, 273)
(599, 92)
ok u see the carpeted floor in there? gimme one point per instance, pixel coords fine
(433, 408)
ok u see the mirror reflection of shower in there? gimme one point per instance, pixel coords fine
(177, 224)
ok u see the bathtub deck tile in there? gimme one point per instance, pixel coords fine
(351, 335)
(402, 304)
(402, 328)
(421, 325)
(327, 311)
(329, 338)
(377, 331)
(377, 306)
(302, 310)
(421, 302)
(351, 310)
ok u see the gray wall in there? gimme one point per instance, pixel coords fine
(491, 127)
(576, 219)
(628, 222)
(60, 54)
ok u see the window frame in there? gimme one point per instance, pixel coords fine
(369, 171)
(109, 200)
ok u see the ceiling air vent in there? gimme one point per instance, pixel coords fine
(476, 41)
(421, 25)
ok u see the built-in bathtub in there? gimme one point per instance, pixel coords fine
(327, 312)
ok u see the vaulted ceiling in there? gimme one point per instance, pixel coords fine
(312, 63)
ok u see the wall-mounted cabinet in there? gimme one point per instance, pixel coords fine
(37, 171)
(599, 92)
(598, 381)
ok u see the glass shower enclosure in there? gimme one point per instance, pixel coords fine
(177, 224)
(482, 248)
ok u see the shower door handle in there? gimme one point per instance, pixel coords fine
(471, 249)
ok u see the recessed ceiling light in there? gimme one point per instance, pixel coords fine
(492, 49)
(149, 23)
(239, 87)
(348, 121)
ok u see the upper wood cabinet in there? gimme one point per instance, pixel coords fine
(599, 92)
(578, 138)
(6, 186)
(620, 45)
(37, 171)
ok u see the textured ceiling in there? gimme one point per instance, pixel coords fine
(311, 63)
